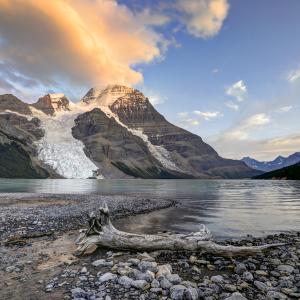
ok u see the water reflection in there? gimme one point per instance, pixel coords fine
(227, 207)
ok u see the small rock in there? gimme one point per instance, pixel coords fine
(286, 269)
(156, 290)
(174, 278)
(108, 277)
(192, 259)
(240, 268)
(164, 270)
(275, 261)
(261, 286)
(155, 284)
(177, 292)
(191, 294)
(125, 281)
(273, 295)
(102, 263)
(83, 270)
(78, 293)
(140, 284)
(247, 276)
(217, 279)
(236, 296)
(148, 266)
(134, 261)
(230, 287)
(261, 273)
(165, 283)
(201, 262)
(287, 291)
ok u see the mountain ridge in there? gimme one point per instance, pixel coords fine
(291, 172)
(116, 133)
(278, 163)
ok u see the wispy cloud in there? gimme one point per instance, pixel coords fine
(262, 149)
(242, 130)
(186, 120)
(285, 108)
(154, 97)
(208, 115)
(238, 90)
(232, 105)
(294, 75)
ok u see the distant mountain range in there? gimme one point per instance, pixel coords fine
(113, 132)
(277, 163)
(289, 173)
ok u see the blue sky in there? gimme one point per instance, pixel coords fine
(228, 70)
(258, 43)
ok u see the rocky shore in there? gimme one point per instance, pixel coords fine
(25, 214)
(43, 267)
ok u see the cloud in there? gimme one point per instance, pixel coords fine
(154, 97)
(232, 105)
(79, 42)
(202, 18)
(215, 71)
(208, 115)
(294, 75)
(186, 121)
(73, 44)
(246, 127)
(284, 109)
(262, 149)
(238, 90)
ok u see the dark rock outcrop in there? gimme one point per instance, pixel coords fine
(12, 103)
(17, 151)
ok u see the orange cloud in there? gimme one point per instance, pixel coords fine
(88, 42)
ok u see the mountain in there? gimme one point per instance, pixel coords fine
(113, 132)
(277, 163)
(51, 103)
(289, 173)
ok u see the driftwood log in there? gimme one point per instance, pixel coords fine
(101, 233)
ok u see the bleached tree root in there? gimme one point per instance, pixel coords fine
(102, 233)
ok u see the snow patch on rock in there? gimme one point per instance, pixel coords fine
(159, 152)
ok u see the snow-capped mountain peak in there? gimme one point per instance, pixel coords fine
(107, 96)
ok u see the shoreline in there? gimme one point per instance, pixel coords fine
(44, 267)
(27, 213)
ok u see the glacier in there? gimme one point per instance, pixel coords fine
(60, 150)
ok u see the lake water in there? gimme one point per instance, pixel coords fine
(229, 208)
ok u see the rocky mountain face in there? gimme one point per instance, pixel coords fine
(278, 163)
(17, 136)
(117, 151)
(113, 132)
(51, 103)
(9, 102)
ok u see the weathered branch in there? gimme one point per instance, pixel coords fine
(102, 233)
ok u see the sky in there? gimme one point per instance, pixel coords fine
(227, 70)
